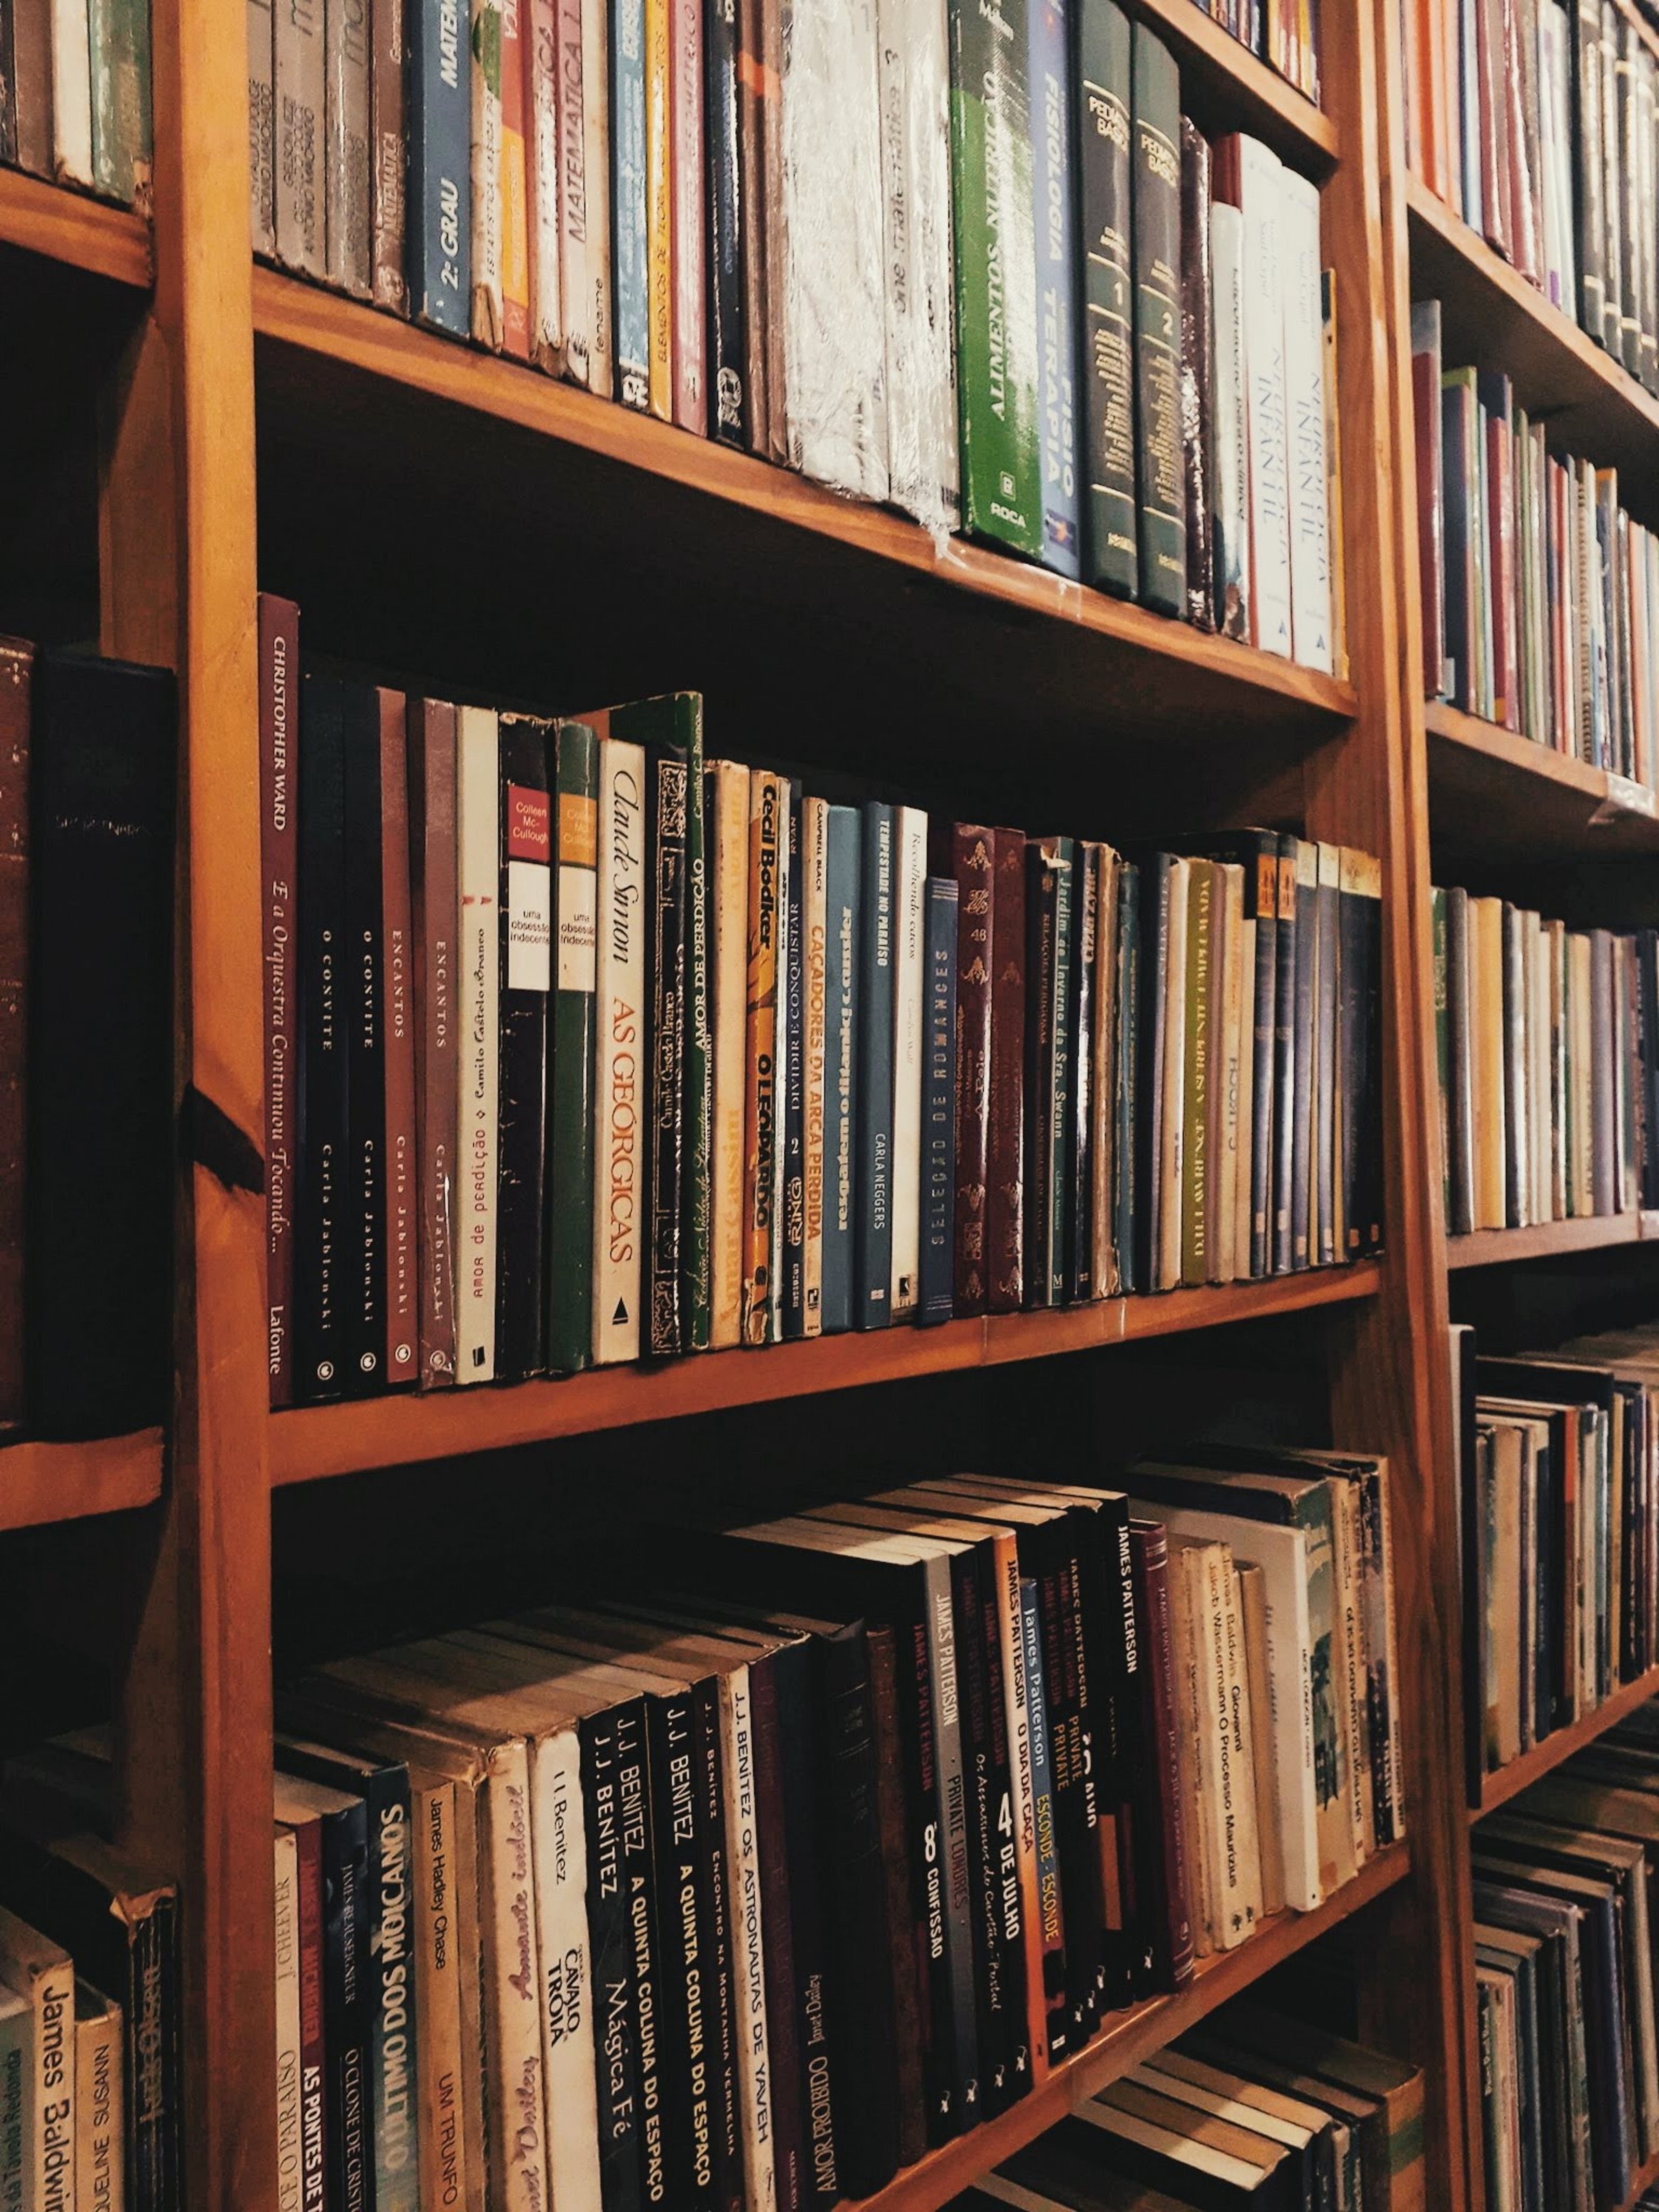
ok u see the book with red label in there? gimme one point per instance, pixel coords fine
(433, 891)
(1006, 1164)
(403, 1294)
(15, 661)
(279, 838)
(526, 936)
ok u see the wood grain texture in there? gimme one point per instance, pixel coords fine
(40, 1483)
(1223, 84)
(1488, 1247)
(1496, 794)
(68, 226)
(1546, 1756)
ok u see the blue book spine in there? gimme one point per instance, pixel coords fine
(439, 167)
(630, 261)
(1054, 187)
(872, 1305)
(939, 1107)
(791, 1039)
(842, 906)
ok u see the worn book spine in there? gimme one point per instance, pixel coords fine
(659, 211)
(600, 330)
(400, 1167)
(844, 957)
(971, 860)
(435, 912)
(909, 991)
(478, 846)
(363, 978)
(757, 94)
(279, 837)
(814, 1052)
(770, 119)
(1266, 415)
(768, 832)
(665, 1027)
(301, 80)
(569, 1244)
(321, 1294)
(1005, 1192)
(1162, 1840)
(348, 158)
(937, 1284)
(1197, 371)
(688, 194)
(1054, 186)
(728, 821)
(792, 1215)
(513, 178)
(873, 1180)
(1230, 485)
(1159, 457)
(30, 83)
(728, 217)
(525, 952)
(753, 2084)
(552, 35)
(610, 1755)
(15, 662)
(71, 94)
(388, 93)
(697, 1235)
(261, 116)
(1197, 1221)
(1312, 633)
(487, 306)
(622, 1050)
(1111, 540)
(440, 230)
(630, 279)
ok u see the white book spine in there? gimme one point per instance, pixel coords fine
(567, 1981)
(815, 918)
(100, 2102)
(619, 1085)
(909, 911)
(551, 22)
(1304, 387)
(570, 140)
(290, 2175)
(743, 1854)
(302, 195)
(728, 917)
(517, 2102)
(49, 2186)
(1351, 1621)
(16, 2084)
(477, 808)
(915, 151)
(71, 92)
(262, 125)
(596, 203)
(1265, 414)
(1229, 486)
(486, 82)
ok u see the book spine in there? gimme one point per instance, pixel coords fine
(435, 911)
(439, 171)
(346, 2001)
(569, 1253)
(1323, 1244)
(444, 2169)
(1431, 491)
(349, 157)
(1004, 1193)
(757, 95)
(119, 60)
(1262, 888)
(972, 849)
(742, 1834)
(716, 1903)
(622, 1047)
(1053, 185)
(1050, 1911)
(1005, 2052)
(1126, 1226)
(815, 1050)
(312, 2050)
(1112, 557)
(1303, 1102)
(1197, 369)
(484, 96)
(665, 772)
(1266, 415)
(1159, 459)
(938, 1177)
(728, 218)
(402, 1153)
(320, 1288)
(1165, 1836)
(477, 844)
(843, 959)
(71, 94)
(909, 961)
(394, 2004)
(261, 116)
(1197, 1223)
(689, 186)
(729, 918)
(553, 65)
(768, 830)
(697, 1262)
(1078, 1179)
(99, 2114)
(659, 211)
(29, 81)
(809, 1798)
(363, 976)
(1286, 1055)
(1105, 1276)
(513, 178)
(609, 1747)
(786, 918)
(388, 89)
(770, 119)
(302, 79)
(684, 2124)
(1234, 596)
(600, 330)
(525, 951)
(776, 1880)
(873, 1182)
(1313, 639)
(630, 278)
(279, 837)
(1058, 1139)
(792, 1215)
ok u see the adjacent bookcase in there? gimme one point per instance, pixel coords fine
(186, 426)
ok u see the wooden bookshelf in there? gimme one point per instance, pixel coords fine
(1550, 1240)
(75, 229)
(41, 1483)
(309, 1443)
(1645, 2179)
(1545, 1757)
(1127, 2039)
(1220, 74)
(1497, 793)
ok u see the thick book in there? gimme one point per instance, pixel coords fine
(347, 159)
(1230, 467)
(873, 1181)
(728, 218)
(525, 957)
(971, 863)
(1159, 1835)
(1197, 371)
(279, 842)
(1110, 534)
(630, 299)
(362, 1000)
(302, 93)
(909, 991)
(843, 959)
(1159, 455)
(400, 1173)
(1054, 192)
(727, 815)
(40, 1972)
(478, 812)
(435, 912)
(17, 661)
(1004, 1224)
(922, 456)
(1260, 182)
(768, 834)
(937, 1287)
(622, 1048)
(568, 1253)
(100, 1048)
(439, 221)
(321, 1294)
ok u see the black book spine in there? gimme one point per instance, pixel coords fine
(1321, 1250)
(1119, 1645)
(644, 1949)
(938, 1109)
(802, 1755)
(971, 1575)
(1304, 1006)
(526, 932)
(793, 1040)
(680, 1889)
(1196, 342)
(719, 1990)
(874, 1265)
(1112, 541)
(347, 1924)
(615, 2047)
(1353, 1070)
(1080, 1146)
(729, 413)
(1000, 2090)
(777, 1929)
(320, 1291)
(945, 2111)
(1125, 1198)
(1286, 1056)
(363, 979)
(99, 1139)
(1061, 1617)
(1160, 459)
(665, 774)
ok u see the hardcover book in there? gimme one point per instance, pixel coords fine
(621, 1083)
(439, 171)
(1112, 541)
(571, 1092)
(1053, 185)
(873, 1182)
(478, 843)
(434, 905)
(526, 926)
(279, 840)
(1159, 467)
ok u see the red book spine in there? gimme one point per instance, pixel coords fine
(313, 2055)
(279, 831)
(15, 660)
(433, 892)
(972, 862)
(689, 187)
(1005, 1196)
(402, 1303)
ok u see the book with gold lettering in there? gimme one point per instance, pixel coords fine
(570, 1254)
(769, 807)
(621, 1047)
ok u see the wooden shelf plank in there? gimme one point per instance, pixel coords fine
(68, 226)
(1494, 792)
(1544, 1758)
(1236, 88)
(1487, 1248)
(41, 1483)
(1127, 2040)
(1646, 2176)
(1492, 318)
(311, 1444)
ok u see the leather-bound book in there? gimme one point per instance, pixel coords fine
(971, 860)
(1160, 460)
(1160, 1840)
(361, 979)
(1197, 344)
(1006, 1166)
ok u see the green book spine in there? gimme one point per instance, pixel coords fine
(1195, 1150)
(119, 36)
(1160, 455)
(991, 172)
(569, 1258)
(697, 1249)
(1110, 542)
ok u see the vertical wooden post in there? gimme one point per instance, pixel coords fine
(178, 548)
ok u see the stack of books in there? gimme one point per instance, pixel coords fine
(637, 1054)
(979, 267)
(75, 94)
(1541, 596)
(1564, 1973)
(1548, 1062)
(1252, 2109)
(829, 1847)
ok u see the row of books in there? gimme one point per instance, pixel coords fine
(639, 1055)
(1548, 1044)
(87, 778)
(1253, 2109)
(1560, 1483)
(75, 94)
(978, 266)
(1536, 122)
(820, 1841)
(1541, 596)
(1564, 1978)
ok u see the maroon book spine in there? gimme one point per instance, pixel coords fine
(689, 186)
(433, 893)
(909, 1993)
(1004, 1205)
(313, 2055)
(31, 84)
(388, 101)
(16, 662)
(1162, 1836)
(403, 1301)
(279, 834)
(972, 862)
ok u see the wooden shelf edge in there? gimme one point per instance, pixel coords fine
(312, 1443)
(40, 1483)
(1128, 2039)
(290, 311)
(1273, 106)
(69, 226)
(1521, 755)
(1544, 1758)
(1645, 2178)
(1489, 1248)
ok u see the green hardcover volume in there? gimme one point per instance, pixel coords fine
(1110, 538)
(991, 175)
(1202, 999)
(569, 1257)
(1160, 462)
